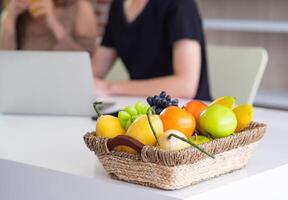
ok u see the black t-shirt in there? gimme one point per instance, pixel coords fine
(145, 45)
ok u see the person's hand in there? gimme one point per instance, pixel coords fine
(39, 8)
(102, 87)
(17, 7)
(46, 9)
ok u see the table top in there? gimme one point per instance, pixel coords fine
(56, 143)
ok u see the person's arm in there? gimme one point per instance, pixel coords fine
(184, 82)
(85, 30)
(106, 53)
(102, 61)
(8, 23)
(85, 22)
(7, 33)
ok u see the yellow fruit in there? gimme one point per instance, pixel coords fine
(173, 143)
(108, 126)
(227, 101)
(34, 11)
(244, 114)
(141, 131)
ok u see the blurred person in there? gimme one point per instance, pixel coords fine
(161, 43)
(48, 25)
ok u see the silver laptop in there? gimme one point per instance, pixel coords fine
(56, 83)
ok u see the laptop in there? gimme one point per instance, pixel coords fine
(50, 83)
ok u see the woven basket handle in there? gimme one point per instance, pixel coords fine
(125, 140)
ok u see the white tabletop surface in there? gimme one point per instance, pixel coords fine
(56, 143)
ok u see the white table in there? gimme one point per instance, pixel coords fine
(44, 157)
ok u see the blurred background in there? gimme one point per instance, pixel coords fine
(242, 23)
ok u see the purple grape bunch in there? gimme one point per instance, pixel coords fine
(161, 101)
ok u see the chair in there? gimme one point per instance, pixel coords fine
(236, 71)
(118, 72)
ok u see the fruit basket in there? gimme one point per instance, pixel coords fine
(171, 170)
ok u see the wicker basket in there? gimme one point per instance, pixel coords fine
(170, 170)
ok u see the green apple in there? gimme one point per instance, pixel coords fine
(218, 120)
(199, 139)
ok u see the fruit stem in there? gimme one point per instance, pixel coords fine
(96, 108)
(149, 111)
(196, 135)
(192, 144)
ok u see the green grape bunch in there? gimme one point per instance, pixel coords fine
(130, 113)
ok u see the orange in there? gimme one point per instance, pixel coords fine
(176, 118)
(195, 108)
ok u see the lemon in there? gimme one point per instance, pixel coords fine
(108, 126)
(227, 101)
(244, 114)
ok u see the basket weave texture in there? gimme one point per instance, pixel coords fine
(172, 170)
